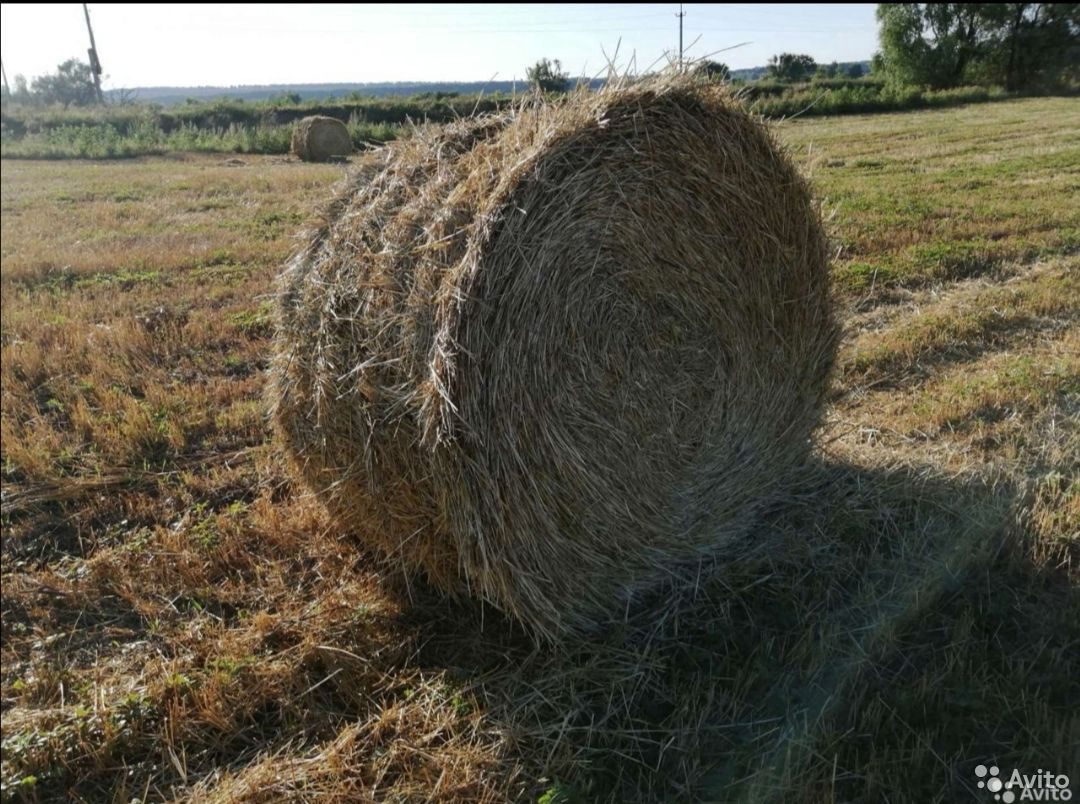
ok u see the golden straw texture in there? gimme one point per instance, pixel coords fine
(558, 357)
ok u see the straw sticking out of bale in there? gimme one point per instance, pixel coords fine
(558, 358)
(318, 138)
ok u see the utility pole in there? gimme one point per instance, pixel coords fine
(7, 89)
(680, 15)
(95, 63)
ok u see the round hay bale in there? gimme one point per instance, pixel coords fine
(558, 358)
(318, 138)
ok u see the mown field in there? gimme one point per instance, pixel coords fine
(180, 622)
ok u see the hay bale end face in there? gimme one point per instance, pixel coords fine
(318, 138)
(559, 358)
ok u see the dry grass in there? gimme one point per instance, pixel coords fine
(180, 623)
(559, 358)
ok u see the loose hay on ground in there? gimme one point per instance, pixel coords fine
(559, 358)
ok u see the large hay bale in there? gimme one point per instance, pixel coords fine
(318, 138)
(560, 357)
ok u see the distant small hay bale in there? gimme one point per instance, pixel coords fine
(558, 358)
(319, 139)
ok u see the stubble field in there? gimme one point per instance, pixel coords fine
(180, 622)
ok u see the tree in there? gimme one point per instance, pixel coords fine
(929, 44)
(855, 71)
(946, 44)
(713, 70)
(287, 98)
(547, 76)
(21, 92)
(124, 97)
(791, 67)
(1032, 43)
(72, 83)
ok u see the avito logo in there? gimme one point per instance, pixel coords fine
(1039, 786)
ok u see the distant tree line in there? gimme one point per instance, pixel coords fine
(71, 85)
(936, 46)
(1018, 46)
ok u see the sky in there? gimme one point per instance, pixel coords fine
(231, 45)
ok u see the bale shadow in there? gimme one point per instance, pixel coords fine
(885, 631)
(890, 630)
